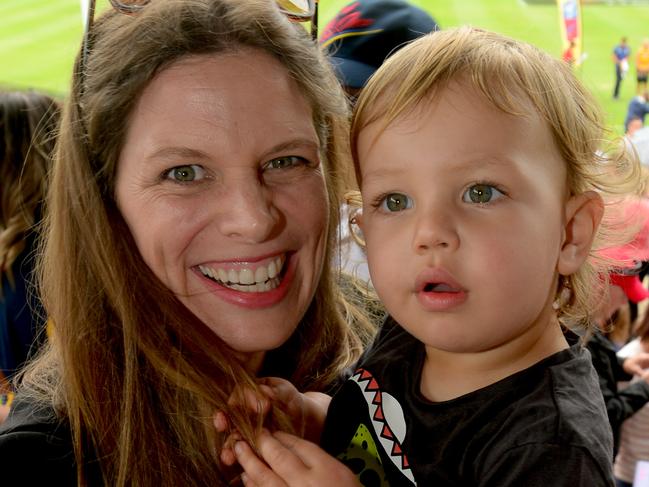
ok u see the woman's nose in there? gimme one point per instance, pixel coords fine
(434, 230)
(246, 212)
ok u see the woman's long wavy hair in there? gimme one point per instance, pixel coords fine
(137, 375)
(28, 123)
(518, 79)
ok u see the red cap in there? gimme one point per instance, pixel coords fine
(634, 213)
(632, 287)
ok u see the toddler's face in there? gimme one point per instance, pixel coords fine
(463, 216)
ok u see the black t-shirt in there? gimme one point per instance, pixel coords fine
(543, 426)
(36, 449)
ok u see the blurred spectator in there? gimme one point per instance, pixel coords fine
(621, 53)
(633, 126)
(365, 32)
(634, 434)
(642, 66)
(568, 55)
(624, 286)
(637, 109)
(28, 122)
(640, 140)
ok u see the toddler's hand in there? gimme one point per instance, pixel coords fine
(307, 411)
(289, 461)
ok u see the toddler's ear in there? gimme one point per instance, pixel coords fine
(356, 226)
(583, 214)
(357, 218)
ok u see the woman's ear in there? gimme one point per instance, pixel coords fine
(583, 215)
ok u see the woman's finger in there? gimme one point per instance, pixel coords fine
(221, 422)
(227, 455)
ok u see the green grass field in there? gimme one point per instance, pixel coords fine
(39, 38)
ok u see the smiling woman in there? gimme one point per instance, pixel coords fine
(188, 245)
(233, 206)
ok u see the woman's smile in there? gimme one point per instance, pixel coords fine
(247, 277)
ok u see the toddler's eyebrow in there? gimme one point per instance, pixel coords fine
(470, 163)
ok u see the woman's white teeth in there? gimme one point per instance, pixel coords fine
(261, 275)
(263, 278)
(273, 269)
(233, 276)
(222, 275)
(255, 288)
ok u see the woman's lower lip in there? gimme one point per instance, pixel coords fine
(254, 300)
(432, 301)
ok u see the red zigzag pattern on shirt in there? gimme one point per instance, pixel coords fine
(366, 379)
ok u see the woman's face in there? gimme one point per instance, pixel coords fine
(221, 186)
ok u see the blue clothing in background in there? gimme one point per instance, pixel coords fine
(638, 108)
(21, 319)
(620, 53)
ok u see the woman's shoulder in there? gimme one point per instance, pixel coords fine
(35, 446)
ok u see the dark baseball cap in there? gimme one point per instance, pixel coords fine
(365, 32)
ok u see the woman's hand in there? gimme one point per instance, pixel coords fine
(289, 461)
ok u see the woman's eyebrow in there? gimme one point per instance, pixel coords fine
(297, 143)
(175, 152)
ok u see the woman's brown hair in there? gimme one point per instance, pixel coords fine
(28, 123)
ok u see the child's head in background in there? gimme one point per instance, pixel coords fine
(482, 176)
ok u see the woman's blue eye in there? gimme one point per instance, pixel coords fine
(286, 162)
(396, 202)
(186, 174)
(481, 194)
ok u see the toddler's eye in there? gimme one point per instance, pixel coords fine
(396, 202)
(186, 174)
(481, 194)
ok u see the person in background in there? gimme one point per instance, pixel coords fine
(357, 41)
(568, 55)
(621, 53)
(637, 109)
(624, 286)
(632, 126)
(187, 248)
(640, 142)
(642, 66)
(479, 233)
(28, 124)
(364, 33)
(634, 433)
